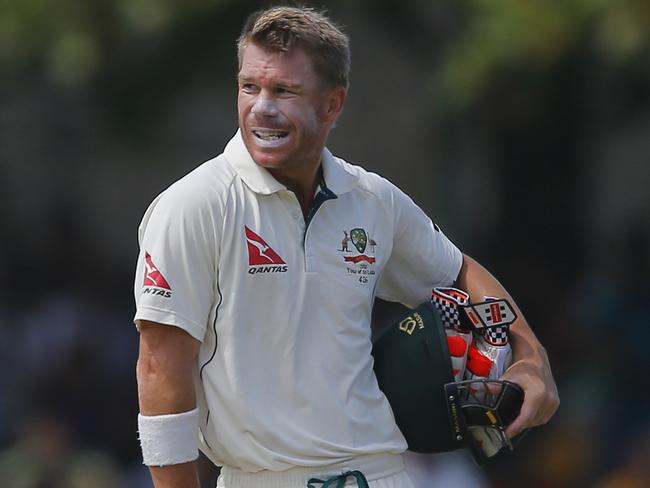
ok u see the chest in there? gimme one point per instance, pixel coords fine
(345, 241)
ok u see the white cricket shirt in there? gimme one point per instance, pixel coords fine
(282, 304)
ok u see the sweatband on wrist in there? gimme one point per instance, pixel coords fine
(169, 439)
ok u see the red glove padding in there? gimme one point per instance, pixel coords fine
(486, 361)
(458, 344)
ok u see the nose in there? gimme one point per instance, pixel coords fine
(265, 105)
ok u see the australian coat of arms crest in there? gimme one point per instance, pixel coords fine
(362, 242)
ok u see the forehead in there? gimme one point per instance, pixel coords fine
(293, 66)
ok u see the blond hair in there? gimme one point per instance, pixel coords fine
(285, 28)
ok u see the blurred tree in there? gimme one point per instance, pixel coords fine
(536, 82)
(98, 48)
(72, 40)
(538, 35)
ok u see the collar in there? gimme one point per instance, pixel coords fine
(339, 177)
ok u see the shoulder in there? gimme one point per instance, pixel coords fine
(199, 195)
(204, 187)
(206, 184)
(371, 183)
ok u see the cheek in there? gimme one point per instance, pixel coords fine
(241, 105)
(246, 103)
(304, 115)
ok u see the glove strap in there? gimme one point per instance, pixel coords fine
(491, 318)
(490, 314)
(448, 301)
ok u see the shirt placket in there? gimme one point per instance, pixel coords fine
(302, 225)
(294, 211)
(322, 195)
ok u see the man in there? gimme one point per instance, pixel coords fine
(255, 321)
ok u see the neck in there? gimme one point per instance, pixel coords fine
(303, 186)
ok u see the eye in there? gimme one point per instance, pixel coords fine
(282, 91)
(248, 88)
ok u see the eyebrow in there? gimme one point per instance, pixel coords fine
(283, 84)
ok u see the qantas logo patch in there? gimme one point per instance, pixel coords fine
(261, 257)
(154, 282)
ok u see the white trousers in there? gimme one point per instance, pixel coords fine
(381, 471)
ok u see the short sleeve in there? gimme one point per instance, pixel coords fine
(422, 256)
(175, 282)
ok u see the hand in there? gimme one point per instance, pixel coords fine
(541, 398)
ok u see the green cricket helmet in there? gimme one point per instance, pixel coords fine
(434, 413)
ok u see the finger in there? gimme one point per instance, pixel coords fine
(522, 422)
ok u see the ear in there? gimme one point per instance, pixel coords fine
(335, 101)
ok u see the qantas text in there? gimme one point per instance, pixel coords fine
(157, 291)
(267, 269)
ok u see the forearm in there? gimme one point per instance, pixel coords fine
(530, 369)
(177, 476)
(165, 372)
(163, 389)
(177, 398)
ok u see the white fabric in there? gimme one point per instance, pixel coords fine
(445, 470)
(399, 480)
(169, 439)
(285, 362)
(381, 471)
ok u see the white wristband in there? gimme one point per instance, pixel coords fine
(169, 439)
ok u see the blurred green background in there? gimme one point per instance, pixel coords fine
(521, 127)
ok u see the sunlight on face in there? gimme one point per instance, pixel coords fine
(285, 113)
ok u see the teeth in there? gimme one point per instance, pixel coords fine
(269, 135)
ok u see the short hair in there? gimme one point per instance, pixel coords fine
(283, 28)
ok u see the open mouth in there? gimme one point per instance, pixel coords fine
(270, 135)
